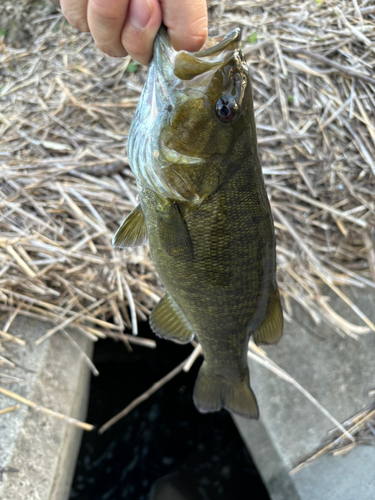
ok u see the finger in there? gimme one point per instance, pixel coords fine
(106, 19)
(186, 23)
(142, 24)
(75, 11)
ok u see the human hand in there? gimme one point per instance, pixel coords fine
(121, 27)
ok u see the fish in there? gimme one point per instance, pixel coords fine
(203, 209)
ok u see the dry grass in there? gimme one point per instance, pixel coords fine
(65, 184)
(361, 427)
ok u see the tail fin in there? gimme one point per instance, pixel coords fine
(211, 393)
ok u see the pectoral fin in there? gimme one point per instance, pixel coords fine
(132, 232)
(271, 328)
(169, 322)
(174, 234)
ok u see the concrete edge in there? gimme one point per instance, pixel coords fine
(72, 436)
(268, 462)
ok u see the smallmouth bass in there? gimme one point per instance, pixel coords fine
(205, 213)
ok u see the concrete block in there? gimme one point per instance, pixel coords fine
(42, 448)
(339, 373)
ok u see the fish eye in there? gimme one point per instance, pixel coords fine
(226, 110)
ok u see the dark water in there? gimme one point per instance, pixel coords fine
(165, 440)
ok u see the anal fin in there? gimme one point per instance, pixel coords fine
(132, 232)
(271, 329)
(169, 322)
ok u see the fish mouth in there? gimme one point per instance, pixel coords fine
(216, 52)
(159, 157)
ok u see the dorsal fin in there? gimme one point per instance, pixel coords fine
(132, 232)
(169, 322)
(271, 329)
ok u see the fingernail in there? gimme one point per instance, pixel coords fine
(140, 12)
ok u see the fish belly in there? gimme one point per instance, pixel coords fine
(223, 290)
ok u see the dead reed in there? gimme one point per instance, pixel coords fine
(65, 184)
